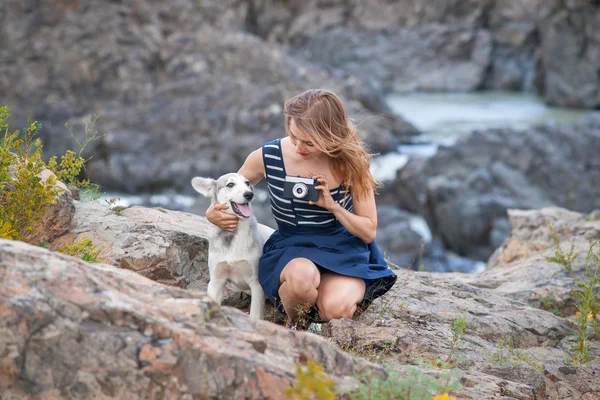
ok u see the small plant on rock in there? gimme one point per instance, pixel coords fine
(458, 329)
(83, 249)
(586, 291)
(594, 216)
(72, 163)
(509, 355)
(113, 205)
(550, 304)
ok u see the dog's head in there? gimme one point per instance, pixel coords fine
(233, 189)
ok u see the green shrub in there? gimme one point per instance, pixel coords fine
(83, 249)
(312, 384)
(24, 196)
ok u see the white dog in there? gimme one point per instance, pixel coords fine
(233, 256)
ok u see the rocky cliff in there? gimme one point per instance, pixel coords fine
(189, 87)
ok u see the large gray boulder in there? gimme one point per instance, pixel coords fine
(295, 22)
(170, 247)
(167, 246)
(519, 268)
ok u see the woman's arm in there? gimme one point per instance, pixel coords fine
(362, 223)
(253, 170)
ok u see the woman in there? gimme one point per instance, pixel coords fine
(323, 252)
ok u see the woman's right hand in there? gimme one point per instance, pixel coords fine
(215, 215)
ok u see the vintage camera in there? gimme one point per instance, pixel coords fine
(296, 187)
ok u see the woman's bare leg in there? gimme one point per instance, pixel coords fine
(298, 285)
(338, 295)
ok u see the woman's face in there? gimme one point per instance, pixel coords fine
(305, 148)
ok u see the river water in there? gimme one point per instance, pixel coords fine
(444, 117)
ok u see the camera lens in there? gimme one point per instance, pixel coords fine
(300, 190)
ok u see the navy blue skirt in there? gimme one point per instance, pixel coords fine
(331, 249)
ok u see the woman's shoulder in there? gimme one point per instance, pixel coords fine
(275, 147)
(275, 142)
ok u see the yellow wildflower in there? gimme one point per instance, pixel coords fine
(590, 315)
(443, 396)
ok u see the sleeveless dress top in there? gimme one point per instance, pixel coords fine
(312, 232)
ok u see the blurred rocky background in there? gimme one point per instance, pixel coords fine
(185, 88)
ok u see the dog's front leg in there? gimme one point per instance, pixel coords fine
(215, 289)
(257, 305)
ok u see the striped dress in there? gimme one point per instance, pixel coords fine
(309, 231)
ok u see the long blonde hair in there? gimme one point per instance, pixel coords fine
(321, 115)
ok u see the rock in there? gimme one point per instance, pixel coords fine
(434, 299)
(71, 61)
(465, 189)
(570, 34)
(170, 247)
(437, 259)
(295, 22)
(396, 239)
(405, 247)
(116, 328)
(516, 44)
(207, 122)
(574, 382)
(518, 268)
(76, 330)
(428, 58)
(412, 326)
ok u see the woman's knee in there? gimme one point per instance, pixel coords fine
(332, 307)
(300, 276)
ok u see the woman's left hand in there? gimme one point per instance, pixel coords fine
(325, 199)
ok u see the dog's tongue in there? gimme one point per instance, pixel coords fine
(244, 209)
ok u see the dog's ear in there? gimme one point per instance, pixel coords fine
(205, 186)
